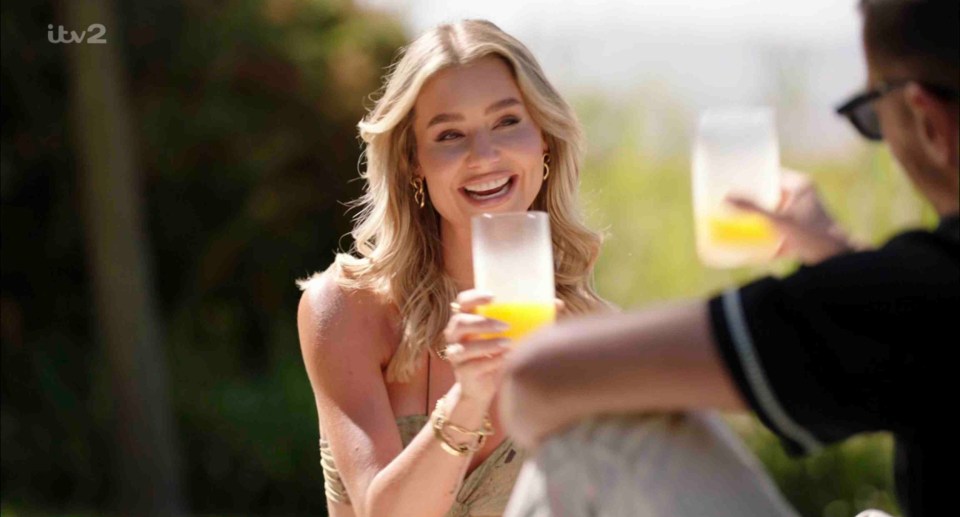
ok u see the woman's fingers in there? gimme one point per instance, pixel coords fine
(559, 305)
(469, 300)
(462, 325)
(483, 366)
(489, 366)
(460, 353)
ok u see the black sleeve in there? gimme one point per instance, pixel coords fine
(842, 347)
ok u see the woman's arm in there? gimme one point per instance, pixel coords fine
(656, 360)
(342, 336)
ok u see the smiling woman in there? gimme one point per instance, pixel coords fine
(488, 154)
(467, 123)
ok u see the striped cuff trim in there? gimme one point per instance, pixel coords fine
(757, 379)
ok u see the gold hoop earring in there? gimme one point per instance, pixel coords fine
(546, 166)
(418, 196)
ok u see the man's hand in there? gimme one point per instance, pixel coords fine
(809, 233)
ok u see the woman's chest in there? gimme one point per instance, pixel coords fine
(419, 397)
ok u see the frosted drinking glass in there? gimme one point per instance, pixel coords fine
(735, 153)
(513, 260)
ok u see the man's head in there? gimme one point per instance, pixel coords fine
(913, 57)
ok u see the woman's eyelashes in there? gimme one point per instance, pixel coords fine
(447, 136)
(509, 120)
(451, 134)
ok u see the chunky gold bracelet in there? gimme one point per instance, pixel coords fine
(440, 422)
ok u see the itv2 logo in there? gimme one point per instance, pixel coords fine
(97, 33)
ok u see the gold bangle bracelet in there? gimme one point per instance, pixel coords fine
(486, 430)
(455, 450)
(440, 422)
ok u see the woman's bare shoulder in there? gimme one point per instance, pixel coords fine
(333, 315)
(345, 334)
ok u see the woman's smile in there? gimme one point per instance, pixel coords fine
(489, 192)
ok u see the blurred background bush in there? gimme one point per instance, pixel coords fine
(244, 149)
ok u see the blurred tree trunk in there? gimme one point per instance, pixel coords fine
(117, 256)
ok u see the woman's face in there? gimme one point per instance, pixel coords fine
(478, 149)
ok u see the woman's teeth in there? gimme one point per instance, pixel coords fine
(486, 188)
(489, 190)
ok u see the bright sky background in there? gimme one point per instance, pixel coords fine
(668, 59)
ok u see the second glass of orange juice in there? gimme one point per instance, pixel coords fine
(736, 153)
(513, 260)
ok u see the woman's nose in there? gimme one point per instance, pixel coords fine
(482, 149)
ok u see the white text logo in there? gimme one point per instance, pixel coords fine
(97, 35)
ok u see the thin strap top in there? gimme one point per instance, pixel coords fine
(484, 492)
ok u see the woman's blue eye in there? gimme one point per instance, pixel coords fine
(447, 136)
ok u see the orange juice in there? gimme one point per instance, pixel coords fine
(734, 239)
(741, 230)
(523, 317)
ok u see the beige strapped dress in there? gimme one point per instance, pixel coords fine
(485, 491)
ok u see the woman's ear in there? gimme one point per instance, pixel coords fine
(936, 126)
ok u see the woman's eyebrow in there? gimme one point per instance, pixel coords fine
(501, 104)
(452, 117)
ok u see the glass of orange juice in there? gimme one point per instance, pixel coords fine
(735, 154)
(513, 261)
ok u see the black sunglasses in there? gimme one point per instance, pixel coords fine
(859, 109)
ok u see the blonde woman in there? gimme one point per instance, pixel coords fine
(407, 399)
(467, 123)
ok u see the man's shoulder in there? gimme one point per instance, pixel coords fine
(913, 257)
(942, 240)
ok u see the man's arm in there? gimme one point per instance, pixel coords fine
(663, 359)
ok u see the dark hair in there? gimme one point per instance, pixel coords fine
(920, 35)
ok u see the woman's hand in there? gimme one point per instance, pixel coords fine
(809, 233)
(477, 361)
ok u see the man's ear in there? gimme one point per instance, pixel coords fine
(936, 126)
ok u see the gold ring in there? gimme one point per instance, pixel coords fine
(455, 307)
(452, 349)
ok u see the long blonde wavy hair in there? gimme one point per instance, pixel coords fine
(397, 250)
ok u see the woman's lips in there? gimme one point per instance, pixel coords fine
(490, 197)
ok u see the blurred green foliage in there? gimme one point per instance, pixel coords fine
(247, 142)
(246, 115)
